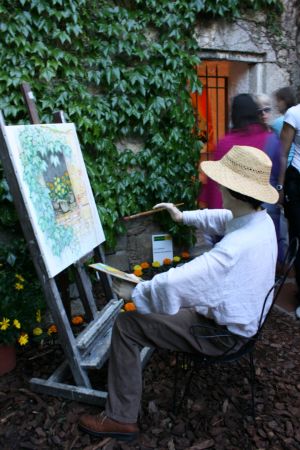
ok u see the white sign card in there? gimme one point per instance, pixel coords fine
(162, 247)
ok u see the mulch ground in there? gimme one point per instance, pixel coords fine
(207, 420)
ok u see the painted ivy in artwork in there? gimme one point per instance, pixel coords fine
(56, 191)
(39, 151)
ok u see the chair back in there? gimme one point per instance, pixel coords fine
(275, 290)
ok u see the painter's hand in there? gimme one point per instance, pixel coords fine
(123, 289)
(174, 212)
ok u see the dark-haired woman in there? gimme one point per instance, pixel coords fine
(247, 129)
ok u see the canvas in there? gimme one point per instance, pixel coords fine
(54, 183)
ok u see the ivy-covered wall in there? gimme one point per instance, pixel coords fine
(119, 70)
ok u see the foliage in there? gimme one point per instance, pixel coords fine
(21, 298)
(119, 71)
(235, 8)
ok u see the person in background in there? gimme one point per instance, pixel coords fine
(247, 129)
(224, 287)
(290, 176)
(284, 99)
(264, 103)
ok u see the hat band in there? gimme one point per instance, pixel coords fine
(246, 171)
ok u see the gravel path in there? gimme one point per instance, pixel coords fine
(208, 419)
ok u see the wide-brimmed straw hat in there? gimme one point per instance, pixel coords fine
(245, 170)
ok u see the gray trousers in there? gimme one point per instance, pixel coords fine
(133, 331)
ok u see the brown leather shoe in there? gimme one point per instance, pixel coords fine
(102, 426)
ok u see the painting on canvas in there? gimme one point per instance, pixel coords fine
(54, 183)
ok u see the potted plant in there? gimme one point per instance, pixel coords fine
(21, 303)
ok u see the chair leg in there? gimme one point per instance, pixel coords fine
(252, 382)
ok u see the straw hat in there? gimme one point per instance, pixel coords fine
(245, 170)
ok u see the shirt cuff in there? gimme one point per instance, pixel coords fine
(141, 297)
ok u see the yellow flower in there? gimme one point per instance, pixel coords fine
(19, 277)
(4, 324)
(23, 339)
(176, 259)
(16, 324)
(19, 286)
(156, 264)
(38, 316)
(37, 331)
(137, 267)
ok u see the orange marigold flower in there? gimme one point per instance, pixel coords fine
(185, 255)
(129, 306)
(138, 272)
(167, 261)
(145, 265)
(52, 329)
(77, 320)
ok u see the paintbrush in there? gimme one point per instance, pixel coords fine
(148, 213)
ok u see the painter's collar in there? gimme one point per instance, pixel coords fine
(239, 222)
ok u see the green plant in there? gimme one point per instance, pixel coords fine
(121, 71)
(21, 298)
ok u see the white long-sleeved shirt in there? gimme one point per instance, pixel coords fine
(292, 117)
(227, 284)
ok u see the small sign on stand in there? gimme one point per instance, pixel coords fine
(162, 247)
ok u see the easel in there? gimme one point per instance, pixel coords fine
(90, 349)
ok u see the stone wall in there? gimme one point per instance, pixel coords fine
(271, 51)
(136, 245)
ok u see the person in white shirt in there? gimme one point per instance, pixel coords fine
(225, 287)
(290, 179)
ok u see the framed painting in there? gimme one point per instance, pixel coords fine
(56, 190)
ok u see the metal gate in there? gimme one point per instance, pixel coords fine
(211, 108)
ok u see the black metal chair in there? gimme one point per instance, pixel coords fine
(196, 361)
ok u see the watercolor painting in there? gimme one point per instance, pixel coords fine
(56, 190)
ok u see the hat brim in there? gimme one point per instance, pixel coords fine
(238, 183)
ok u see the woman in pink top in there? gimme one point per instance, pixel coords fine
(246, 130)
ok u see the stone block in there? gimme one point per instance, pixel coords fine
(119, 260)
